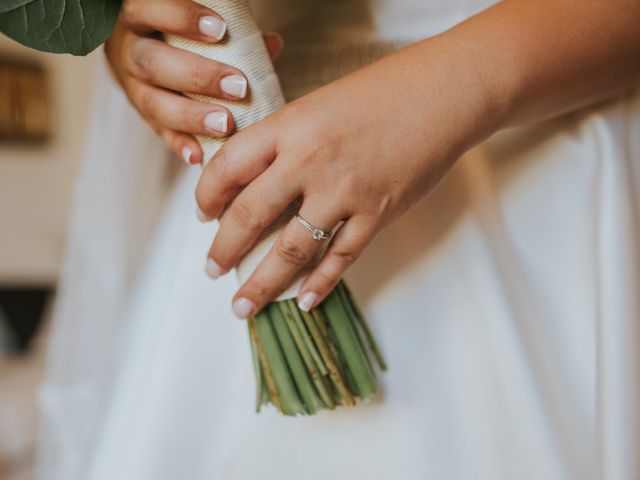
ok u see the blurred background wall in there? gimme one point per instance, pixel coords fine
(36, 180)
(36, 187)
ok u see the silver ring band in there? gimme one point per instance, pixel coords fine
(317, 233)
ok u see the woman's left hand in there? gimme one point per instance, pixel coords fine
(361, 150)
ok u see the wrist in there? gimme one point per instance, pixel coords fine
(459, 99)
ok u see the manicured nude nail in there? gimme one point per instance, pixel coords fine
(186, 155)
(202, 216)
(217, 122)
(308, 301)
(212, 27)
(213, 269)
(243, 307)
(234, 85)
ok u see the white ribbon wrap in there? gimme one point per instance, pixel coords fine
(244, 48)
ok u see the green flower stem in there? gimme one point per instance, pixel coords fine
(329, 339)
(265, 370)
(290, 403)
(330, 362)
(306, 337)
(305, 361)
(317, 378)
(346, 294)
(294, 359)
(258, 372)
(332, 342)
(266, 395)
(350, 345)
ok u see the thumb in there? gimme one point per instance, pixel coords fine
(274, 43)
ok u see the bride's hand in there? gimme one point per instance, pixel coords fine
(361, 150)
(152, 72)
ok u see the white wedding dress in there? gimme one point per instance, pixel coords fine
(507, 303)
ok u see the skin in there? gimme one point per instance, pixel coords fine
(152, 73)
(364, 149)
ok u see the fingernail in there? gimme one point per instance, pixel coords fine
(217, 121)
(213, 269)
(212, 27)
(243, 307)
(186, 155)
(308, 301)
(202, 216)
(234, 85)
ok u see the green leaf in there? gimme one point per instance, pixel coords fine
(8, 5)
(61, 26)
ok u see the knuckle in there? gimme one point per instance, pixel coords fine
(144, 57)
(258, 291)
(290, 253)
(325, 280)
(292, 113)
(131, 11)
(310, 145)
(201, 75)
(243, 215)
(233, 146)
(148, 104)
(220, 167)
(355, 185)
(310, 132)
(188, 116)
(346, 256)
(348, 251)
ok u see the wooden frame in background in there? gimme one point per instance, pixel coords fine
(24, 107)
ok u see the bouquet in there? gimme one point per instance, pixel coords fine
(303, 361)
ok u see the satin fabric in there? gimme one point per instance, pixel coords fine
(506, 303)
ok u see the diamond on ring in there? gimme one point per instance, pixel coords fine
(316, 233)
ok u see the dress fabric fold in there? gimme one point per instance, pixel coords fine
(506, 303)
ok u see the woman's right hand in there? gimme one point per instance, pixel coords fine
(153, 73)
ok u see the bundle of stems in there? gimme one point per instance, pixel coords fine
(304, 361)
(308, 361)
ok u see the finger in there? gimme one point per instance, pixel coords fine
(259, 205)
(179, 113)
(274, 43)
(245, 156)
(114, 48)
(346, 246)
(183, 145)
(293, 250)
(188, 149)
(181, 17)
(162, 65)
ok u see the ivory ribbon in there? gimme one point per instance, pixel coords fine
(244, 48)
